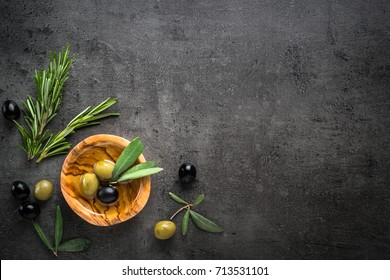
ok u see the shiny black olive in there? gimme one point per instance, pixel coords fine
(11, 110)
(108, 194)
(187, 172)
(29, 210)
(20, 190)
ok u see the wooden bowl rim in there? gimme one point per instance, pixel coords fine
(83, 213)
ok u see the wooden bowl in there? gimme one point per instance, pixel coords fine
(132, 196)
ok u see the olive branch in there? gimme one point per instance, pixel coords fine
(199, 220)
(72, 245)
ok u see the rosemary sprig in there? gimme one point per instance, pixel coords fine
(38, 141)
(41, 110)
(57, 144)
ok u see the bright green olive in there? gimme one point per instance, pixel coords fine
(103, 169)
(89, 184)
(164, 230)
(43, 190)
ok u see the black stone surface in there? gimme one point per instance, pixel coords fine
(283, 106)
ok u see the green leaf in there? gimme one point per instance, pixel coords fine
(184, 223)
(139, 174)
(204, 223)
(199, 199)
(127, 158)
(42, 235)
(177, 199)
(144, 165)
(74, 245)
(59, 228)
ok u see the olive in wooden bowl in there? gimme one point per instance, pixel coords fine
(132, 196)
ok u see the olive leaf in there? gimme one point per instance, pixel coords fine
(199, 220)
(59, 228)
(204, 223)
(139, 174)
(42, 235)
(199, 199)
(127, 158)
(74, 245)
(184, 223)
(144, 165)
(177, 199)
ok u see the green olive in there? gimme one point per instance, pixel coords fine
(43, 190)
(164, 230)
(103, 169)
(89, 184)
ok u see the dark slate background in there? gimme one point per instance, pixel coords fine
(283, 106)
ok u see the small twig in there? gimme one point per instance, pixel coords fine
(181, 209)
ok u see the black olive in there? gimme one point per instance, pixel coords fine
(29, 210)
(20, 190)
(187, 172)
(107, 194)
(11, 110)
